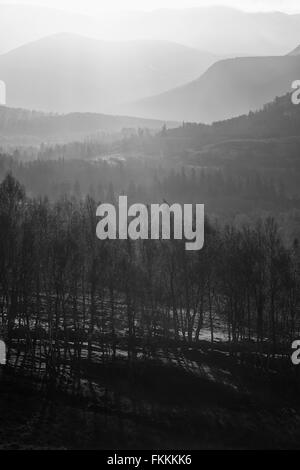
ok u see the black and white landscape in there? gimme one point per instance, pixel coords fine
(130, 345)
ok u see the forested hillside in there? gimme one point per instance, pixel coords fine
(277, 119)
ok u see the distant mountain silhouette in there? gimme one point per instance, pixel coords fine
(221, 30)
(228, 88)
(20, 24)
(68, 73)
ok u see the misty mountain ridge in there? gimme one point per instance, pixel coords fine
(71, 73)
(243, 33)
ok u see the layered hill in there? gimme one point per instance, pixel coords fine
(20, 126)
(73, 73)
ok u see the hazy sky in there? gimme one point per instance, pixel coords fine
(95, 6)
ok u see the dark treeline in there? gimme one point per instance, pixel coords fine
(148, 180)
(67, 298)
(228, 193)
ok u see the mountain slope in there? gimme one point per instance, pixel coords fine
(67, 72)
(295, 51)
(229, 88)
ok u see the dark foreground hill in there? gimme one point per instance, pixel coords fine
(220, 401)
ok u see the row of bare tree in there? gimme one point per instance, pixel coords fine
(66, 297)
